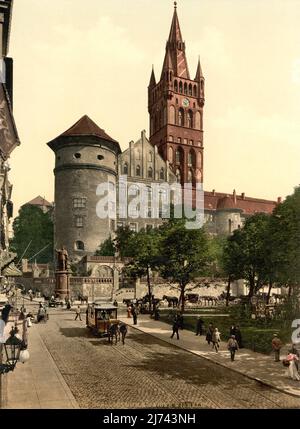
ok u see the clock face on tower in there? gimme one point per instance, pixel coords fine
(185, 102)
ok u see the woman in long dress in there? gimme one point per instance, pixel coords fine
(292, 369)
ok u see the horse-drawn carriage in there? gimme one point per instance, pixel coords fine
(100, 316)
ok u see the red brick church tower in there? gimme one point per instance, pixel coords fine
(175, 105)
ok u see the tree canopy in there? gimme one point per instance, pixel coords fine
(33, 235)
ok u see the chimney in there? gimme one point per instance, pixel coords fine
(279, 200)
(214, 192)
(243, 195)
(234, 196)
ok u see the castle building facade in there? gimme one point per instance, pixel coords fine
(86, 157)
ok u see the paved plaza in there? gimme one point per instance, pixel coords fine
(147, 372)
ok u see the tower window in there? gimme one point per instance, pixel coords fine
(162, 174)
(100, 157)
(77, 155)
(181, 117)
(79, 245)
(190, 89)
(195, 90)
(202, 85)
(190, 119)
(179, 140)
(79, 221)
(171, 138)
(178, 156)
(185, 88)
(125, 168)
(79, 203)
(138, 170)
(150, 172)
(175, 86)
(180, 87)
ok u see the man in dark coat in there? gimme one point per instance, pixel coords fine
(238, 337)
(5, 312)
(176, 324)
(134, 315)
(199, 327)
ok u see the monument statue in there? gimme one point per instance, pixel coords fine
(62, 259)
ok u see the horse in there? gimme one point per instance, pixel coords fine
(123, 331)
(172, 300)
(113, 332)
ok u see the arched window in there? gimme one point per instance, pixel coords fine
(138, 170)
(180, 87)
(170, 154)
(162, 174)
(79, 245)
(181, 117)
(198, 121)
(192, 158)
(195, 90)
(175, 86)
(179, 156)
(185, 88)
(178, 175)
(125, 168)
(190, 119)
(150, 157)
(190, 89)
(150, 172)
(172, 115)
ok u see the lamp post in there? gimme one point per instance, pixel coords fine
(12, 347)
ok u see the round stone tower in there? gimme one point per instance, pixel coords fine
(85, 156)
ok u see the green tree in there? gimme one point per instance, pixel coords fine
(184, 254)
(145, 246)
(123, 242)
(107, 248)
(246, 253)
(285, 233)
(33, 235)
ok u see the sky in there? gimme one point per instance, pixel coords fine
(74, 57)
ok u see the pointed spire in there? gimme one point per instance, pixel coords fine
(152, 78)
(168, 65)
(175, 49)
(199, 73)
(175, 32)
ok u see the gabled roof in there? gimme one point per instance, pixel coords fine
(86, 127)
(39, 201)
(249, 206)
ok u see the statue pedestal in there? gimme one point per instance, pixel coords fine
(62, 284)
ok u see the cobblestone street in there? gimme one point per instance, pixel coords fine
(146, 372)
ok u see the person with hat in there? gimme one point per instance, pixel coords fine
(199, 326)
(276, 346)
(232, 346)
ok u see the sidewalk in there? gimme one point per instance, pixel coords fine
(38, 384)
(248, 363)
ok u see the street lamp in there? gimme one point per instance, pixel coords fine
(12, 347)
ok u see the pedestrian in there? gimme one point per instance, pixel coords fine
(156, 313)
(292, 361)
(232, 330)
(175, 327)
(134, 315)
(232, 346)
(180, 320)
(295, 351)
(209, 333)
(238, 336)
(129, 309)
(199, 327)
(276, 346)
(78, 313)
(216, 338)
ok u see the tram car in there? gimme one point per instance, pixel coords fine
(100, 316)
